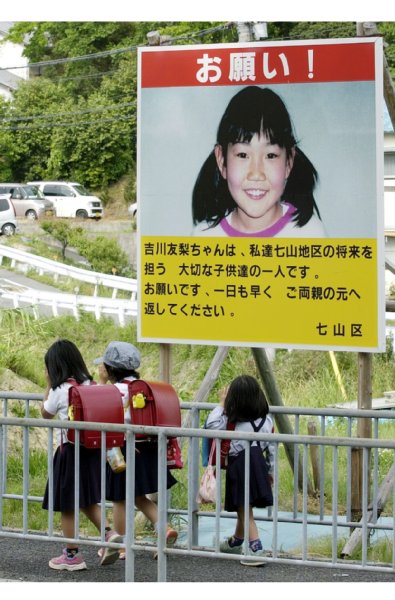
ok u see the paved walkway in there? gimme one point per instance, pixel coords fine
(27, 560)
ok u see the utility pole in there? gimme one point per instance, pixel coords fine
(155, 39)
(251, 31)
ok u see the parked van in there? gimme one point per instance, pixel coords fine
(8, 224)
(28, 200)
(71, 199)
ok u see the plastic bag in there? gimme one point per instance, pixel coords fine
(208, 487)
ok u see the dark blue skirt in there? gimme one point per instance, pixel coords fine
(63, 478)
(260, 485)
(146, 473)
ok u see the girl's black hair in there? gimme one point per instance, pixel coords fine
(64, 361)
(251, 111)
(120, 374)
(245, 400)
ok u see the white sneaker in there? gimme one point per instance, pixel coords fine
(251, 559)
(225, 547)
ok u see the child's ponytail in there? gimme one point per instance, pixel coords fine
(299, 188)
(211, 200)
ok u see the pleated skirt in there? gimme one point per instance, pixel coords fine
(63, 478)
(261, 494)
(146, 473)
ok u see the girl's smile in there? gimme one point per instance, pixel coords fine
(256, 173)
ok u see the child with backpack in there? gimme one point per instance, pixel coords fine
(65, 365)
(119, 365)
(245, 406)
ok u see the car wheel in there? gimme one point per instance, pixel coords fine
(31, 215)
(8, 229)
(81, 214)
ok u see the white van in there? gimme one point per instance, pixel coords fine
(71, 199)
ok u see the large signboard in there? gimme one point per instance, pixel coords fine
(260, 194)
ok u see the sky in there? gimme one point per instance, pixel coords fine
(174, 10)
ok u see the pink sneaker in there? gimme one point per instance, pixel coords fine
(109, 555)
(64, 563)
(171, 536)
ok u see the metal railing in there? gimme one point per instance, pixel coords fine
(57, 269)
(294, 503)
(40, 301)
(74, 304)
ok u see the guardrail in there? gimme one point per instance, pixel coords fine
(56, 302)
(45, 265)
(334, 520)
(40, 302)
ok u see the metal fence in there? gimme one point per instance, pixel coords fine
(313, 496)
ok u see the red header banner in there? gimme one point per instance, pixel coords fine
(299, 63)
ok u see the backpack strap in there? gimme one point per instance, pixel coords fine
(73, 381)
(257, 428)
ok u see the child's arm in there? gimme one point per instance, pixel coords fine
(216, 419)
(269, 428)
(44, 413)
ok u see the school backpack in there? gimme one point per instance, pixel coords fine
(97, 403)
(156, 403)
(208, 445)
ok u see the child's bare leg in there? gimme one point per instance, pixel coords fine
(67, 521)
(93, 512)
(148, 508)
(118, 512)
(252, 530)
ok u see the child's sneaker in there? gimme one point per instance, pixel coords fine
(64, 563)
(248, 562)
(171, 536)
(226, 547)
(109, 555)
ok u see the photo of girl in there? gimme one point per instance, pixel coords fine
(256, 182)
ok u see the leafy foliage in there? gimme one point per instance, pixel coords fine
(103, 254)
(63, 233)
(77, 118)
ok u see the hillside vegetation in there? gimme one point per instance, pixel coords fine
(304, 378)
(76, 118)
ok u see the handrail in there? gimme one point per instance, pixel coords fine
(332, 442)
(362, 413)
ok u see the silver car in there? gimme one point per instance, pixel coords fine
(8, 224)
(28, 200)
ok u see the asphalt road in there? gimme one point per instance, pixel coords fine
(27, 560)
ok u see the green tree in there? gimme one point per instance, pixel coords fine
(104, 255)
(64, 233)
(78, 119)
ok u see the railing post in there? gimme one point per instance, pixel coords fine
(312, 430)
(364, 430)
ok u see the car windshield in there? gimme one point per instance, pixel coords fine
(32, 191)
(81, 190)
